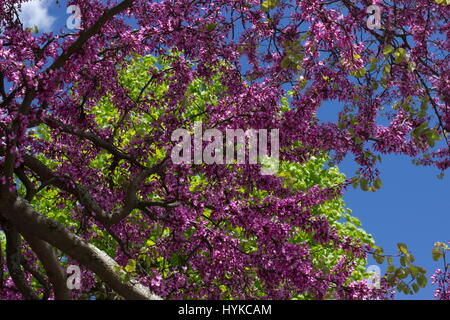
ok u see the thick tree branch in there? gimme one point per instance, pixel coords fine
(29, 186)
(13, 259)
(55, 272)
(20, 213)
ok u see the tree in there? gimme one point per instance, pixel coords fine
(318, 51)
(151, 254)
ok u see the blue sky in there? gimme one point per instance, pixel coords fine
(37, 13)
(411, 207)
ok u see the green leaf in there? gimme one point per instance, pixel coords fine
(268, 5)
(379, 258)
(390, 268)
(402, 287)
(389, 260)
(117, 269)
(378, 183)
(403, 261)
(386, 69)
(131, 266)
(361, 72)
(400, 55)
(211, 26)
(363, 184)
(375, 85)
(286, 62)
(403, 248)
(302, 82)
(437, 253)
(176, 260)
(388, 49)
(422, 281)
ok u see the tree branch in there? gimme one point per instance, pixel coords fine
(38, 276)
(82, 195)
(87, 34)
(97, 141)
(13, 259)
(29, 221)
(54, 270)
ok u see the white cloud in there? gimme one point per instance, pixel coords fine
(35, 13)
